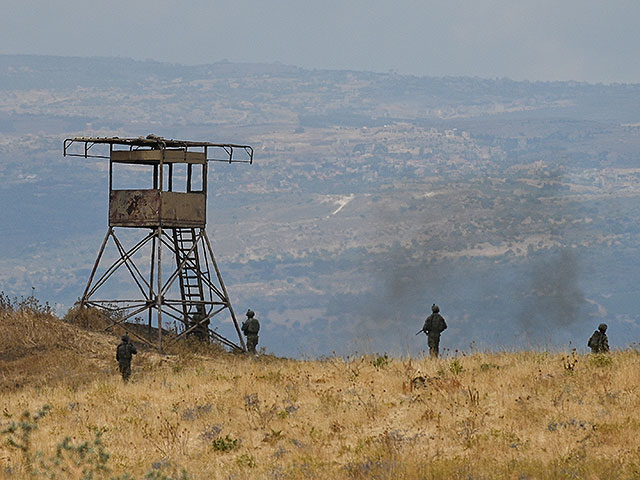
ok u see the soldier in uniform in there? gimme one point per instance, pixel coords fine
(434, 325)
(123, 355)
(251, 327)
(599, 343)
(201, 332)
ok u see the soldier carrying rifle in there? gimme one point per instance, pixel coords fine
(251, 327)
(434, 325)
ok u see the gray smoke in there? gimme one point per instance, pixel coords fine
(402, 289)
(402, 282)
(506, 297)
(549, 299)
(552, 298)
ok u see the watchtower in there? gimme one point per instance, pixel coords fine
(169, 216)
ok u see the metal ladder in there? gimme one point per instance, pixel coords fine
(191, 285)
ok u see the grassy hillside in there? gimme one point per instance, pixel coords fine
(520, 415)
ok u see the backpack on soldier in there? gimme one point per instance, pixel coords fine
(253, 326)
(122, 352)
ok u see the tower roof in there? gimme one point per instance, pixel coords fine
(155, 142)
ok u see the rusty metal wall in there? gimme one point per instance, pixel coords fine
(134, 208)
(183, 209)
(152, 208)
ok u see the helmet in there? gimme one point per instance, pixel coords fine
(250, 313)
(435, 308)
(125, 338)
(602, 327)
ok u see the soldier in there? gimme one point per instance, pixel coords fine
(434, 325)
(251, 327)
(599, 343)
(123, 355)
(201, 331)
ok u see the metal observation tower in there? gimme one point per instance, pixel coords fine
(169, 269)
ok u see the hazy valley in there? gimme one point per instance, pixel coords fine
(510, 204)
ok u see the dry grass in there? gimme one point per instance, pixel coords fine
(519, 415)
(37, 349)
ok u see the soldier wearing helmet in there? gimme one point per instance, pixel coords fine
(434, 325)
(599, 343)
(124, 352)
(251, 327)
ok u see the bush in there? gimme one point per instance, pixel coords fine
(90, 317)
(485, 367)
(380, 361)
(28, 304)
(86, 460)
(225, 444)
(455, 367)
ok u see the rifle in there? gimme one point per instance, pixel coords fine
(419, 332)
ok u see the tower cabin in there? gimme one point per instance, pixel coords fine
(160, 206)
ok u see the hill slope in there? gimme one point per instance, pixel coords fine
(482, 415)
(37, 349)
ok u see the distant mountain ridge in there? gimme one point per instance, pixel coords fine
(371, 196)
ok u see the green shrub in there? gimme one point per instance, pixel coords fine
(225, 444)
(380, 361)
(455, 367)
(18, 436)
(246, 460)
(485, 367)
(86, 460)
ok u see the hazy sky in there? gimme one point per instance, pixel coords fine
(586, 40)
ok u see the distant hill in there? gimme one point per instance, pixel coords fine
(510, 204)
